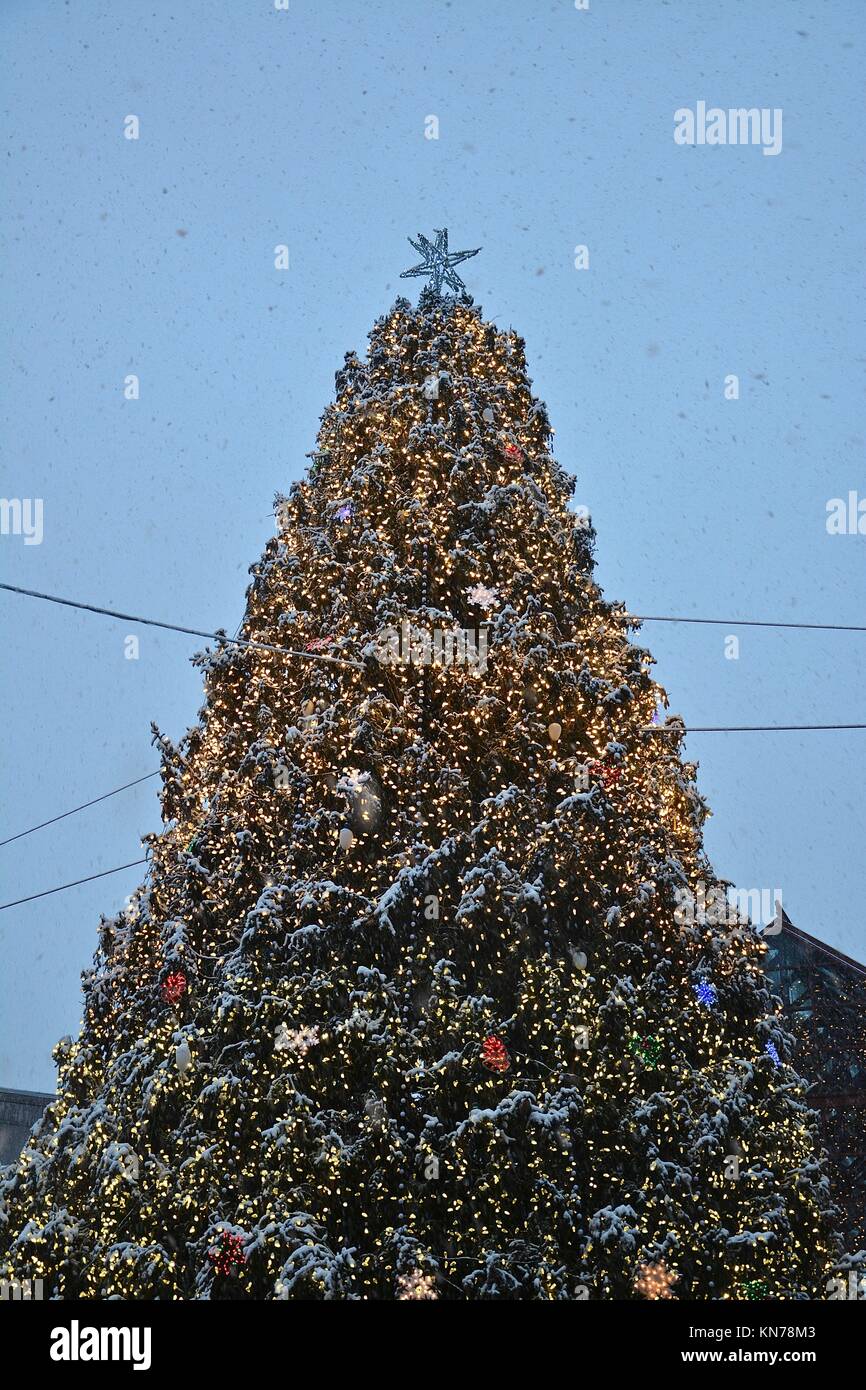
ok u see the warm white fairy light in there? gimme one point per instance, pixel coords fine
(367, 871)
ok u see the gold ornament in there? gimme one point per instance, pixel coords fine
(654, 1281)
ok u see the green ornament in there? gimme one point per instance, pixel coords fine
(755, 1288)
(649, 1049)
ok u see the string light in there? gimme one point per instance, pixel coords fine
(369, 877)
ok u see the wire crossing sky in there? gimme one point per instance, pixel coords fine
(183, 298)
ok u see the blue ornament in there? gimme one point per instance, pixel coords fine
(344, 513)
(706, 992)
(438, 262)
(772, 1052)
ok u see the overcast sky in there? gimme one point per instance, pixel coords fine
(155, 257)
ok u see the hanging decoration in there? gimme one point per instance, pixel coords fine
(607, 773)
(296, 1040)
(482, 596)
(365, 799)
(317, 458)
(416, 1285)
(494, 1054)
(754, 1288)
(308, 721)
(649, 1050)
(228, 1254)
(655, 1281)
(174, 987)
(128, 1163)
(706, 993)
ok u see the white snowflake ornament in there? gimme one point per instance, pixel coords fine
(482, 596)
(416, 1285)
(296, 1040)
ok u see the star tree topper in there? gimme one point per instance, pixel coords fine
(438, 262)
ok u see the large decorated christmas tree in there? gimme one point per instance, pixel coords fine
(406, 1007)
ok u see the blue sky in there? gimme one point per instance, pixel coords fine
(307, 127)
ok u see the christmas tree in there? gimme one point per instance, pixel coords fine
(407, 1007)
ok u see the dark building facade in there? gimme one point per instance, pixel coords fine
(823, 993)
(19, 1111)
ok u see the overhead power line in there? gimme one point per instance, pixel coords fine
(221, 637)
(743, 728)
(649, 729)
(46, 893)
(83, 807)
(224, 640)
(749, 622)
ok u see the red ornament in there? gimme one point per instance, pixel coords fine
(318, 644)
(494, 1054)
(606, 772)
(513, 452)
(174, 987)
(228, 1253)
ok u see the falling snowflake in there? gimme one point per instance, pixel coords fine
(416, 1285)
(482, 596)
